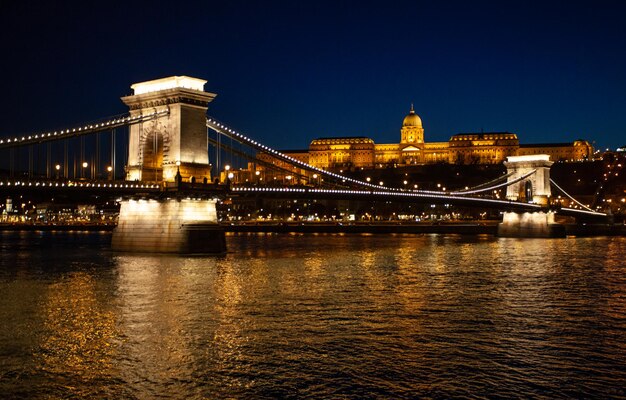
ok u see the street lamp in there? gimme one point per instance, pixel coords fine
(226, 169)
(178, 178)
(109, 172)
(82, 172)
(58, 168)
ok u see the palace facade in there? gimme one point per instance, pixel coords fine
(360, 152)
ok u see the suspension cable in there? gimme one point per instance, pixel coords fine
(498, 179)
(509, 183)
(105, 125)
(219, 127)
(570, 197)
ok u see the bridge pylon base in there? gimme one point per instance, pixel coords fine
(530, 225)
(184, 226)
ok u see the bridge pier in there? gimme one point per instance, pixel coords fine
(538, 224)
(533, 189)
(186, 226)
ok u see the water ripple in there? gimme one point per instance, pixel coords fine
(315, 316)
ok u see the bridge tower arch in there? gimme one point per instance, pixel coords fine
(176, 141)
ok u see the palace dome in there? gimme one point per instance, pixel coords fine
(412, 119)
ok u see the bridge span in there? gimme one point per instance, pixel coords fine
(171, 187)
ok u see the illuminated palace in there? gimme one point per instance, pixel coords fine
(335, 153)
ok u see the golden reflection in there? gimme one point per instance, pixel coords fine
(615, 278)
(409, 281)
(314, 266)
(228, 336)
(152, 294)
(79, 330)
(374, 280)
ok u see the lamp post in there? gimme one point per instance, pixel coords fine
(57, 168)
(82, 172)
(110, 173)
(229, 179)
(178, 178)
(257, 173)
(226, 169)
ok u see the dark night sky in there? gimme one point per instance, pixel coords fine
(287, 72)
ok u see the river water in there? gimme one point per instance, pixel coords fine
(314, 316)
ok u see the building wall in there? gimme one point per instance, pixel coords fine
(579, 150)
(336, 153)
(465, 148)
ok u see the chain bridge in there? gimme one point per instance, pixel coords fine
(155, 161)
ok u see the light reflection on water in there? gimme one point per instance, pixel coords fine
(340, 316)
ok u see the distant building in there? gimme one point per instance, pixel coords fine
(361, 152)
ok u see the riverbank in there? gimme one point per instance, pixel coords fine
(64, 228)
(471, 228)
(489, 228)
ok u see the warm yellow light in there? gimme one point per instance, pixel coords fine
(368, 179)
(227, 167)
(171, 82)
(314, 176)
(109, 168)
(533, 157)
(57, 167)
(85, 164)
(257, 173)
(231, 175)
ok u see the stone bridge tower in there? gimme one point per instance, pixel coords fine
(158, 149)
(174, 142)
(535, 188)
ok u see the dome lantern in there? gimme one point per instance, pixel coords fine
(412, 119)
